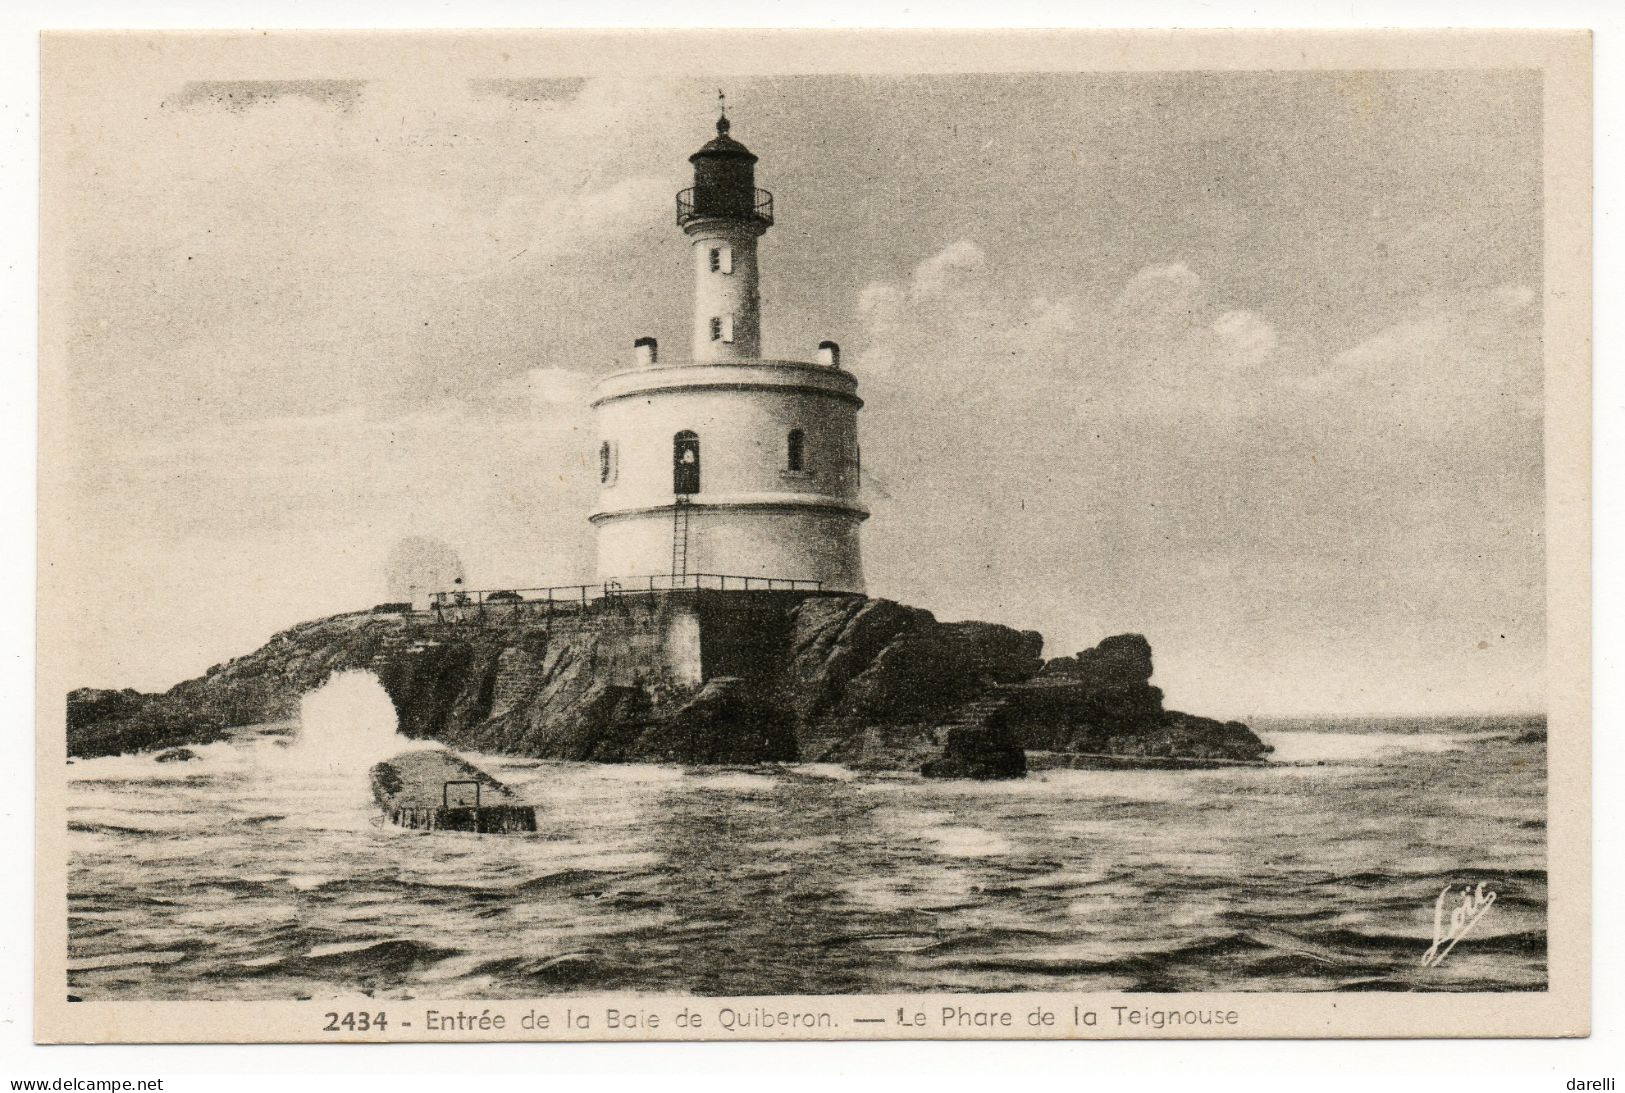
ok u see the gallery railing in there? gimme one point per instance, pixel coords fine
(759, 207)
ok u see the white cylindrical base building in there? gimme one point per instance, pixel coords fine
(761, 459)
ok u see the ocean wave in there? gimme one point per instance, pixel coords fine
(571, 969)
(145, 823)
(373, 958)
(1361, 747)
(1257, 951)
(728, 882)
(128, 959)
(1391, 878)
(887, 941)
(973, 954)
(90, 828)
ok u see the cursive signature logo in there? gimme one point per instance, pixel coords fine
(1474, 903)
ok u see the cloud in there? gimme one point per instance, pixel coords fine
(407, 247)
(936, 274)
(1160, 299)
(241, 95)
(1046, 317)
(1244, 339)
(881, 303)
(890, 311)
(1160, 346)
(1458, 365)
(549, 387)
(311, 317)
(1154, 444)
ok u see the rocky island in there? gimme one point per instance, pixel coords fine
(700, 678)
(678, 667)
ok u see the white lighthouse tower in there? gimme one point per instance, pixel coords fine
(728, 465)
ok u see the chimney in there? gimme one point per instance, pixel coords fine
(647, 351)
(829, 354)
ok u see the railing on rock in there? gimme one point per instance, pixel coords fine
(501, 601)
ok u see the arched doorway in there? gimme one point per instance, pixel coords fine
(685, 463)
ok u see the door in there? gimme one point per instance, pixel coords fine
(685, 463)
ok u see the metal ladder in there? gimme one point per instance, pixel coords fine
(679, 540)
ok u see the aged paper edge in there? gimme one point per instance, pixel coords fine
(1564, 59)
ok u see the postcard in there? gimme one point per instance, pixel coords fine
(813, 535)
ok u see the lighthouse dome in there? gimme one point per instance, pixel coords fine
(724, 183)
(722, 146)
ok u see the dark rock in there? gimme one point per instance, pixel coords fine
(1101, 702)
(1085, 698)
(935, 666)
(834, 640)
(144, 723)
(983, 751)
(728, 721)
(87, 706)
(1119, 662)
(176, 755)
(869, 680)
(839, 678)
(1181, 735)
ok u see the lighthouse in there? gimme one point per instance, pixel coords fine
(728, 464)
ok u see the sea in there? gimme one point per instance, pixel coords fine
(262, 870)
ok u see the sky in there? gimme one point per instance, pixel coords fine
(1247, 362)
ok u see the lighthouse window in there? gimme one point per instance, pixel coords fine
(604, 457)
(716, 328)
(722, 328)
(797, 450)
(722, 260)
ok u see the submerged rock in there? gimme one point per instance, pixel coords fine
(175, 755)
